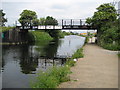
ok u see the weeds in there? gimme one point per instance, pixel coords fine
(78, 53)
(56, 75)
(52, 77)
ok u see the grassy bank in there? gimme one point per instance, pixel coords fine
(41, 36)
(78, 54)
(56, 75)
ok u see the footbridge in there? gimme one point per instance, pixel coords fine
(64, 24)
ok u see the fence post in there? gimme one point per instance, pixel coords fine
(71, 22)
(80, 22)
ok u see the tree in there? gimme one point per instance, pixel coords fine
(35, 22)
(51, 21)
(42, 21)
(106, 13)
(28, 17)
(2, 19)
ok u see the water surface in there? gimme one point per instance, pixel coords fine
(20, 63)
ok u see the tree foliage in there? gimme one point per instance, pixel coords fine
(42, 21)
(105, 13)
(35, 22)
(105, 20)
(28, 17)
(51, 21)
(2, 18)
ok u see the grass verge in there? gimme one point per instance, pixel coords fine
(78, 54)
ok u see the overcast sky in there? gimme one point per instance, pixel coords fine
(60, 9)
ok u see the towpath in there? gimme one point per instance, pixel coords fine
(98, 69)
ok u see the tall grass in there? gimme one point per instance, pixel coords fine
(78, 54)
(52, 77)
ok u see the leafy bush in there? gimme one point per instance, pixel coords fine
(86, 39)
(111, 46)
(61, 34)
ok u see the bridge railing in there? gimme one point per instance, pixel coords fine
(72, 22)
(62, 24)
(40, 27)
(49, 27)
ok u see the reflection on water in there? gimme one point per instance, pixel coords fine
(20, 63)
(48, 49)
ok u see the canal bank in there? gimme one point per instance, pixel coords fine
(98, 69)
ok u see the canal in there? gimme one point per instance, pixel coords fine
(20, 63)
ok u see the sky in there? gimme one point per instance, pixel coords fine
(59, 9)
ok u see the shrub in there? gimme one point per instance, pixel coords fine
(52, 77)
(111, 46)
(86, 39)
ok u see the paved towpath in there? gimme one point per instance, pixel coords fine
(98, 69)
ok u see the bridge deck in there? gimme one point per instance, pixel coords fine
(82, 27)
(51, 27)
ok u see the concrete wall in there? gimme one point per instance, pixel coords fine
(15, 37)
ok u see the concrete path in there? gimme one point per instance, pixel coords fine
(98, 69)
